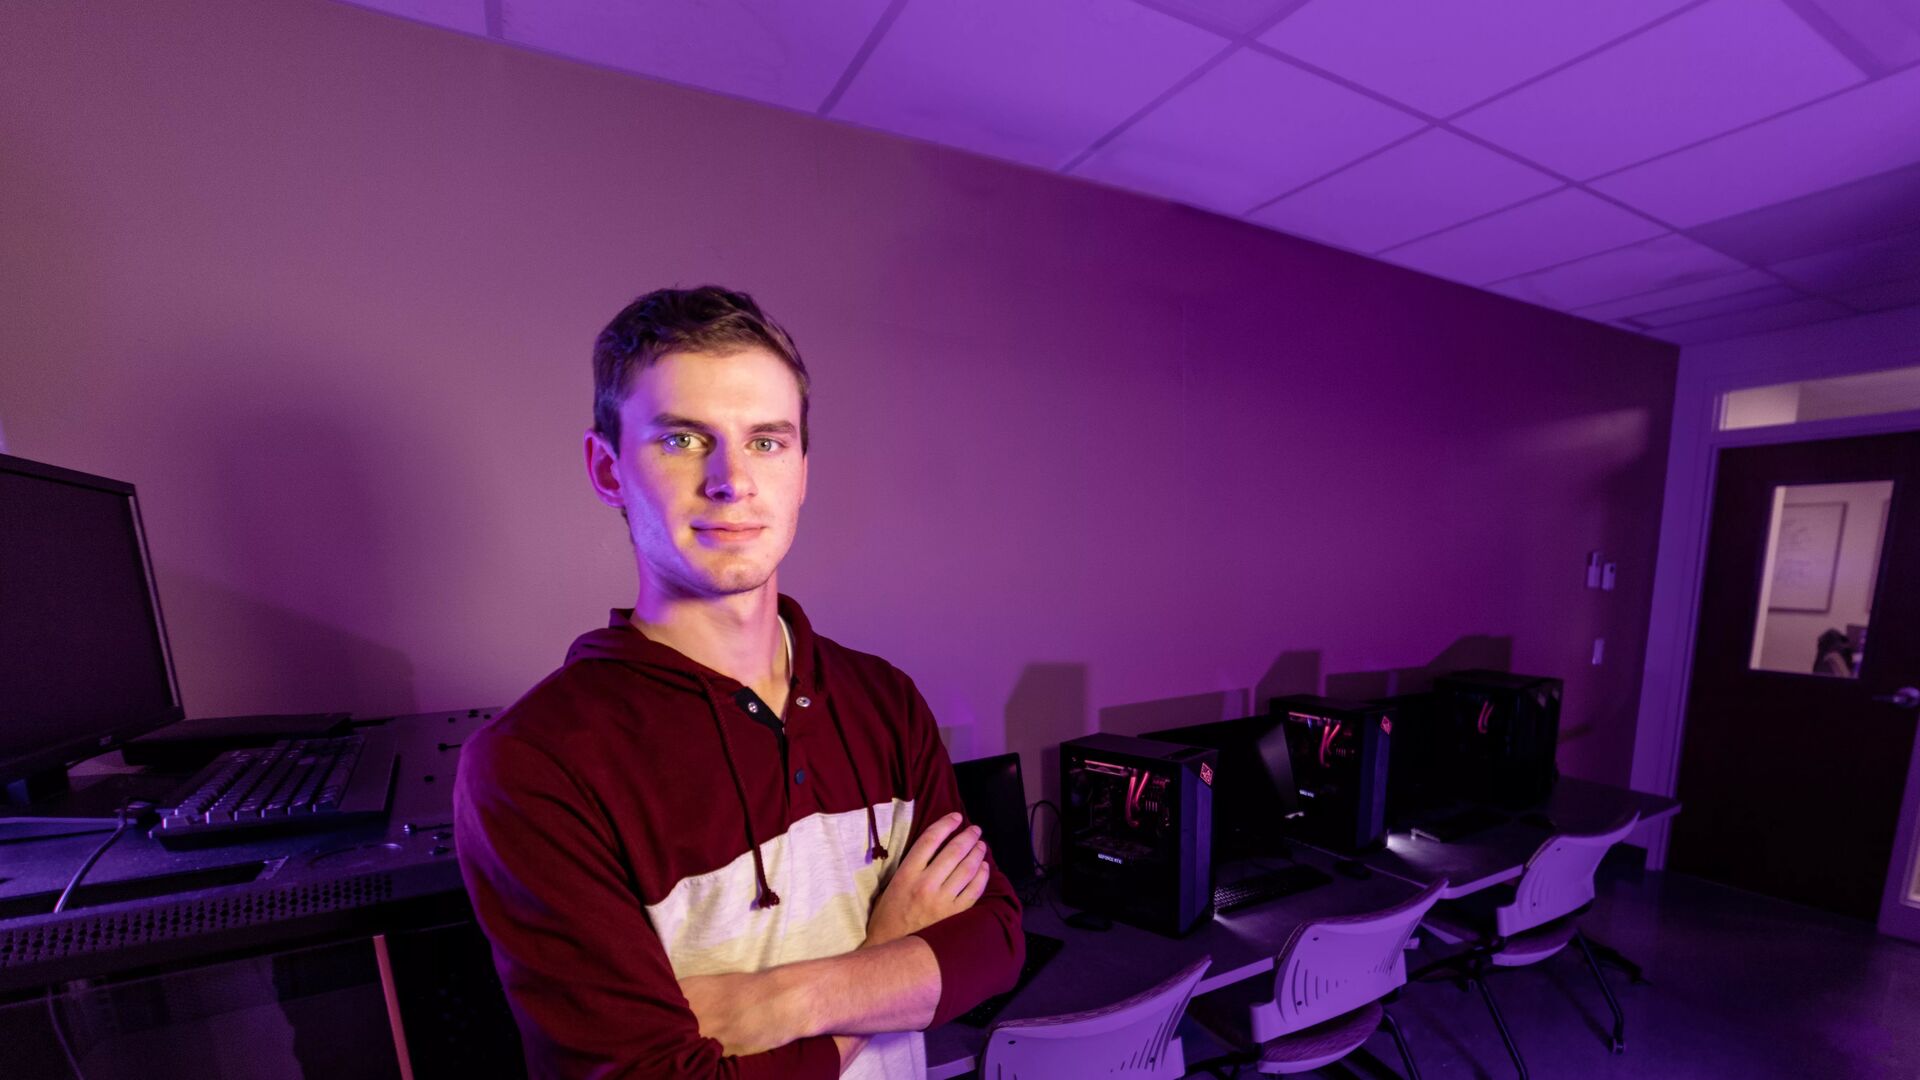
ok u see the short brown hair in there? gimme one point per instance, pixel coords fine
(708, 319)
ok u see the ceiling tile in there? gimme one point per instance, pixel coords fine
(1797, 313)
(469, 16)
(1765, 296)
(1889, 258)
(1244, 132)
(1884, 33)
(1743, 281)
(1663, 261)
(1694, 76)
(1892, 294)
(1444, 57)
(783, 52)
(1034, 81)
(1554, 229)
(1864, 210)
(1425, 184)
(1233, 17)
(1863, 131)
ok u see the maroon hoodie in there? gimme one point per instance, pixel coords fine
(638, 817)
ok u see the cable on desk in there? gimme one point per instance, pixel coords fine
(126, 816)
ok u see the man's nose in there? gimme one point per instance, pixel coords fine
(728, 477)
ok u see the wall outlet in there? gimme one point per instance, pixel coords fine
(1593, 569)
(1599, 650)
(1608, 574)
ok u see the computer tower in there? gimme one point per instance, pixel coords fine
(1341, 754)
(1504, 730)
(1137, 830)
(1419, 771)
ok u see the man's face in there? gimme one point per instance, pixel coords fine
(709, 470)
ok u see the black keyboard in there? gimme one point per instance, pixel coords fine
(1040, 949)
(1458, 825)
(293, 785)
(1265, 886)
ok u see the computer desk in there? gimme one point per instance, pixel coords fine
(1100, 967)
(1499, 854)
(145, 910)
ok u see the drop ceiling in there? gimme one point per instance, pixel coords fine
(1692, 171)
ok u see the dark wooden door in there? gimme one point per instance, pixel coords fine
(1792, 780)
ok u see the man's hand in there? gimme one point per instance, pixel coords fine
(749, 1012)
(943, 874)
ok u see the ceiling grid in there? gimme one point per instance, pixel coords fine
(1687, 169)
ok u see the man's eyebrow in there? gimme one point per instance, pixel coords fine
(772, 427)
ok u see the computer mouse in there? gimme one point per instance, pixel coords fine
(1353, 868)
(1088, 920)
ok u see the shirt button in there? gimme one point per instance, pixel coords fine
(751, 707)
(799, 776)
(802, 702)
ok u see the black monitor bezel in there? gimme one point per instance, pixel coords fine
(57, 756)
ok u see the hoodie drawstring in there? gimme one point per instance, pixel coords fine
(767, 897)
(876, 852)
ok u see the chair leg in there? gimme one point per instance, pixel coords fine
(1610, 955)
(1513, 1049)
(1400, 1041)
(1619, 1043)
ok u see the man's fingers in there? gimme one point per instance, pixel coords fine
(977, 887)
(924, 849)
(963, 871)
(957, 848)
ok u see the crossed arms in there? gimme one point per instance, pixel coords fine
(890, 983)
(589, 978)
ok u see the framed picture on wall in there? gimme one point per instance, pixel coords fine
(1805, 555)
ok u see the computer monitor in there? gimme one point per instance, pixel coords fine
(995, 796)
(1255, 791)
(84, 664)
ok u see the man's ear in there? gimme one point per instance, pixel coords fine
(600, 469)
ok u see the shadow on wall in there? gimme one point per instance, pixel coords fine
(250, 656)
(294, 480)
(1047, 707)
(1295, 672)
(1475, 651)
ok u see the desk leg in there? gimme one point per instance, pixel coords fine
(393, 1006)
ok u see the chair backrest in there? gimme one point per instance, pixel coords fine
(1128, 1038)
(1333, 966)
(1558, 880)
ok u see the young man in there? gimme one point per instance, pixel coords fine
(714, 843)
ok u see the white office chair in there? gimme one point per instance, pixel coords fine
(1132, 1038)
(1331, 980)
(1535, 923)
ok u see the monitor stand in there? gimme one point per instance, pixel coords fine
(49, 806)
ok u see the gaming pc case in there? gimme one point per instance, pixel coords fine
(1137, 826)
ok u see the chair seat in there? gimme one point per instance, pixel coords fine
(1535, 945)
(1322, 1044)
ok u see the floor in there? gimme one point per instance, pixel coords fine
(1738, 986)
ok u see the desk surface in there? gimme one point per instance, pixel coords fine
(1500, 853)
(186, 905)
(1101, 967)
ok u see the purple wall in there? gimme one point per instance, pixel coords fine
(323, 284)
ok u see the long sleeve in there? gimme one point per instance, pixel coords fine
(981, 949)
(586, 974)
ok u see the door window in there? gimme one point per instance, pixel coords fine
(1816, 591)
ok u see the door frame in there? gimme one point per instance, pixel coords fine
(1706, 374)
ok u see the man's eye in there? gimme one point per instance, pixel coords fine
(765, 446)
(680, 440)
